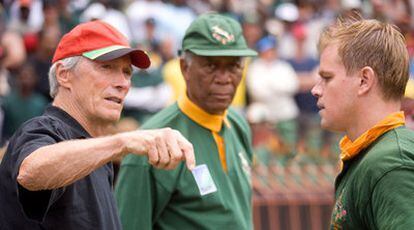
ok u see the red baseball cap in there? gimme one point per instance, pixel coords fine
(99, 41)
(25, 3)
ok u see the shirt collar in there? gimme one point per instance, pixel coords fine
(350, 149)
(209, 121)
(62, 115)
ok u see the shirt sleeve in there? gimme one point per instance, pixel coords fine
(34, 203)
(392, 200)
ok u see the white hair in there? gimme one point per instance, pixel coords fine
(187, 56)
(68, 64)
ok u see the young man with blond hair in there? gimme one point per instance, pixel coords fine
(364, 70)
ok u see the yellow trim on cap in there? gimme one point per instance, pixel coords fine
(99, 52)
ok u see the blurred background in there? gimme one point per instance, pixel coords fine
(295, 161)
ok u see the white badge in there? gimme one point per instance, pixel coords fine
(204, 180)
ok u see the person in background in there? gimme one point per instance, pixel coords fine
(273, 83)
(12, 56)
(22, 103)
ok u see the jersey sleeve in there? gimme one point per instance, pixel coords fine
(34, 203)
(142, 192)
(392, 200)
(243, 131)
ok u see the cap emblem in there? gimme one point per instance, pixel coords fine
(221, 35)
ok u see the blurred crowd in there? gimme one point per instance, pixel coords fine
(292, 152)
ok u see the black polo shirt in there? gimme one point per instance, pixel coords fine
(86, 204)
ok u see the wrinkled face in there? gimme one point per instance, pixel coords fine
(336, 92)
(212, 81)
(100, 88)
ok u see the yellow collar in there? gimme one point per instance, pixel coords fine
(195, 113)
(350, 149)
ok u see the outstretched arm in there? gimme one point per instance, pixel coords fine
(57, 165)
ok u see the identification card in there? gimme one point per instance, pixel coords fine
(204, 180)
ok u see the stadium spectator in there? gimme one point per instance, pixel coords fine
(22, 103)
(273, 82)
(12, 56)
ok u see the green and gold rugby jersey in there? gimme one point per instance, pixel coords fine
(149, 198)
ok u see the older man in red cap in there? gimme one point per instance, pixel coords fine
(57, 171)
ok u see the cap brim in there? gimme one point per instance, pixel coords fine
(138, 57)
(223, 52)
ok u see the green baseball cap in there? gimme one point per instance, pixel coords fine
(212, 34)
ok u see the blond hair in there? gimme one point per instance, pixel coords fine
(371, 43)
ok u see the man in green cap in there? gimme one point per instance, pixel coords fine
(217, 193)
